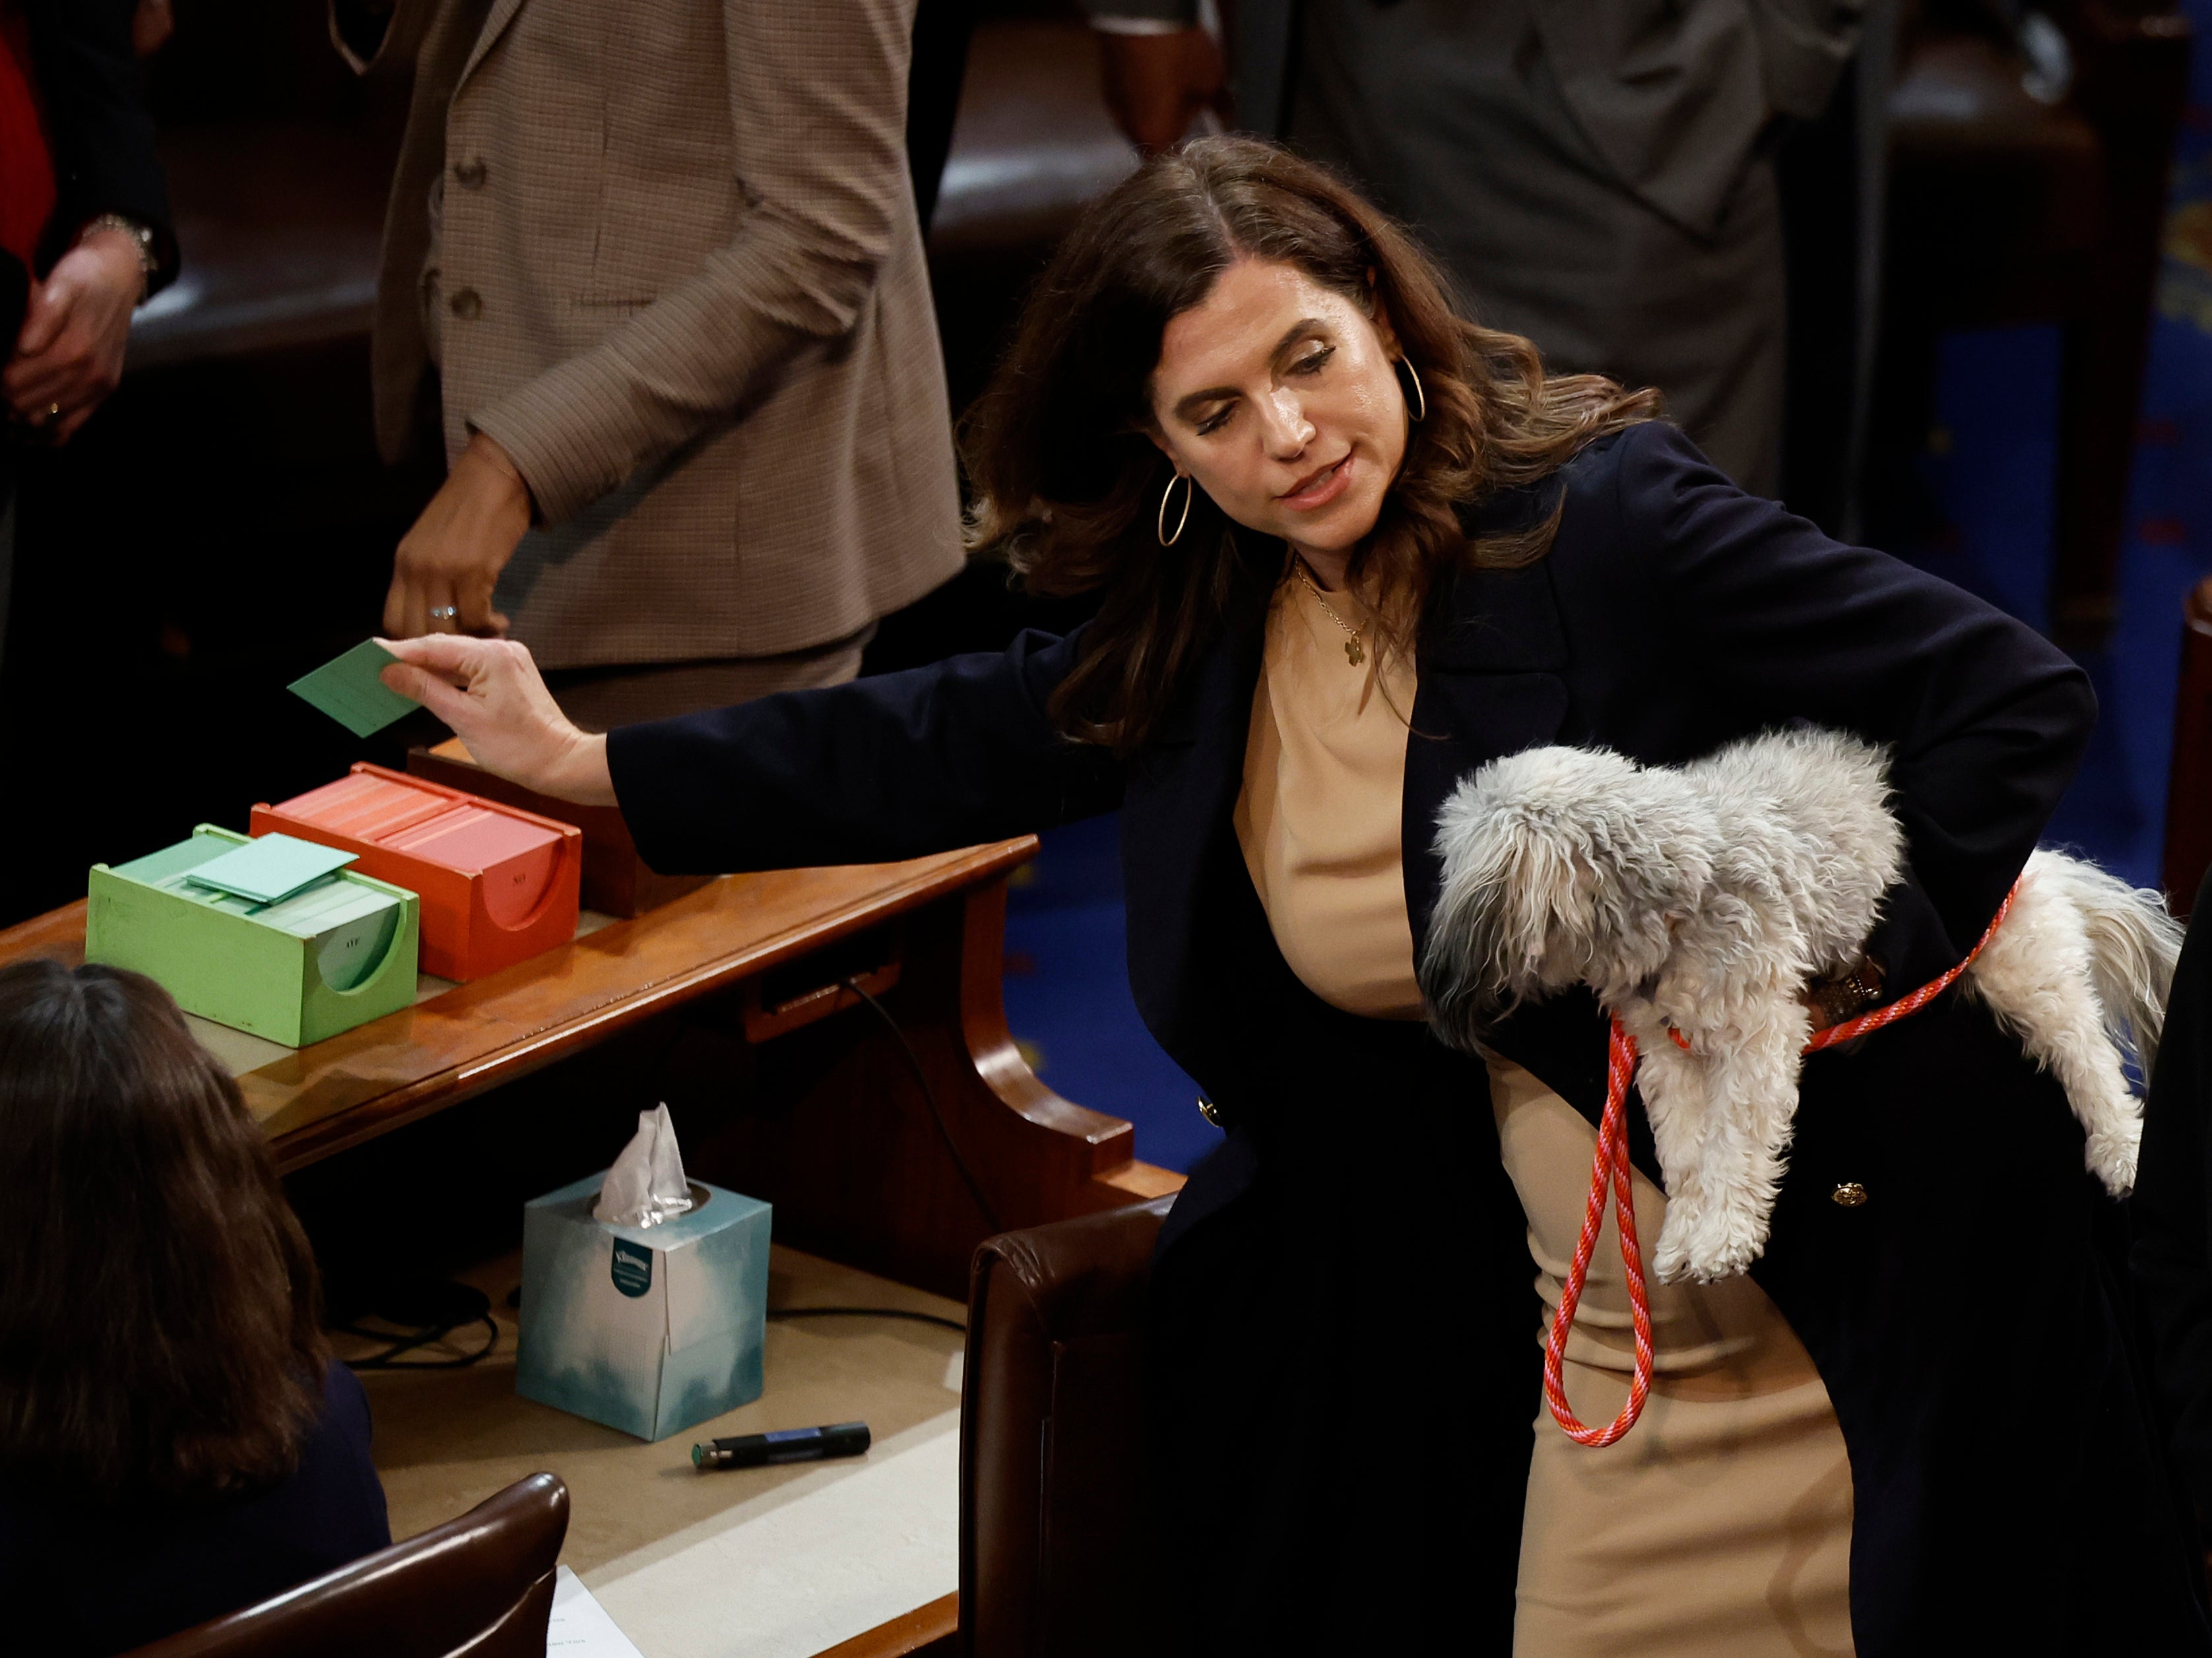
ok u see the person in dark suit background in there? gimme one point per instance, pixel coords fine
(86, 217)
(176, 1441)
(1597, 174)
(85, 230)
(1345, 560)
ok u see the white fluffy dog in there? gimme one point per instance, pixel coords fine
(1705, 897)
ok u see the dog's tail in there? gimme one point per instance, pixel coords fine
(2134, 941)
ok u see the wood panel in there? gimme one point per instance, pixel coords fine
(931, 1630)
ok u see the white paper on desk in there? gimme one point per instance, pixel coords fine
(580, 1627)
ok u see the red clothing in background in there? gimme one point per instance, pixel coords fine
(26, 167)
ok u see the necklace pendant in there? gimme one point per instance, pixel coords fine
(1353, 653)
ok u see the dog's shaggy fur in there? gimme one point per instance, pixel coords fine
(1705, 898)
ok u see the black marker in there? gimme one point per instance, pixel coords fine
(791, 1445)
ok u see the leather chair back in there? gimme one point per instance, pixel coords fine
(1052, 1459)
(2007, 205)
(481, 1585)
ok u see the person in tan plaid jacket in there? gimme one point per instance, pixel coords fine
(663, 257)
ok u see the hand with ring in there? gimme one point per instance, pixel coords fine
(68, 355)
(447, 565)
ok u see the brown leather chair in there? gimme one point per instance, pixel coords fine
(2007, 205)
(2189, 787)
(1051, 1453)
(482, 1585)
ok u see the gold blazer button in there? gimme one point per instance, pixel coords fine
(1210, 1111)
(1850, 1194)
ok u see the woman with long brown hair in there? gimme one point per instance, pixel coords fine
(176, 1441)
(1350, 547)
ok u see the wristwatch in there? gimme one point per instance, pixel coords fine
(141, 237)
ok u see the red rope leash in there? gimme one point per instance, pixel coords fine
(1905, 1006)
(1609, 1171)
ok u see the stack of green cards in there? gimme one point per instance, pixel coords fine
(272, 868)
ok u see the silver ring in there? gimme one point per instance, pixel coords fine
(443, 612)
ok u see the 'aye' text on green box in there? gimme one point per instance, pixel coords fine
(335, 954)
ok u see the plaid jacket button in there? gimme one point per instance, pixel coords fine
(1850, 1194)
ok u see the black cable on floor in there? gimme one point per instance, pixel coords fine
(470, 1306)
(929, 1094)
(868, 1312)
(390, 1358)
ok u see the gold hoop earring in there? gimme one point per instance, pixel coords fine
(1420, 409)
(1160, 529)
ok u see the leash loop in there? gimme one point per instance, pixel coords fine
(1610, 1171)
(1610, 1174)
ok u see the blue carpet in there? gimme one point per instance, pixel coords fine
(1989, 464)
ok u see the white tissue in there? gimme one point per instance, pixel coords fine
(645, 1186)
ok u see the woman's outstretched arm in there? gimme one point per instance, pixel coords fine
(887, 767)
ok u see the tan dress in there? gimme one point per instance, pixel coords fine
(1720, 1527)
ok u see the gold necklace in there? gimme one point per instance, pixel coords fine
(1354, 653)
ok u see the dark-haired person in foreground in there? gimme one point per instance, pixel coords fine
(1350, 548)
(175, 1440)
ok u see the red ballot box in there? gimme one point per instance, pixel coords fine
(497, 884)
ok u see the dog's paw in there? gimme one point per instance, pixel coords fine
(2112, 1155)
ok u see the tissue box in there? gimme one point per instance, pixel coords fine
(336, 954)
(498, 885)
(645, 1329)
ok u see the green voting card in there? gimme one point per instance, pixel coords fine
(273, 867)
(348, 690)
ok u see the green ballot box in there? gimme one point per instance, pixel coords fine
(649, 1329)
(336, 951)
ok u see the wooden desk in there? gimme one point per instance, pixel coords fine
(827, 1120)
(684, 1561)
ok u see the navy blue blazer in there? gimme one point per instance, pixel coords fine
(1353, 1254)
(84, 1581)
